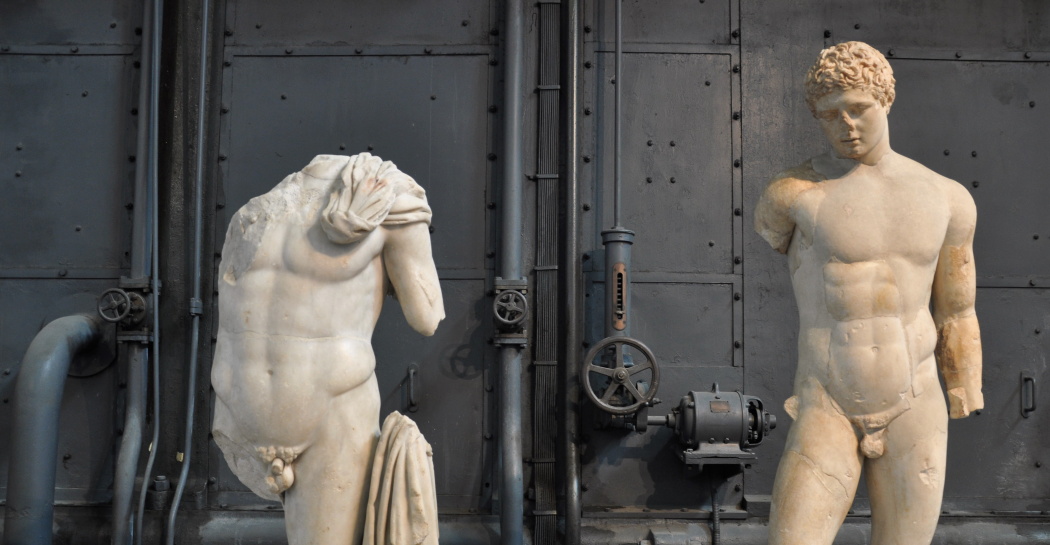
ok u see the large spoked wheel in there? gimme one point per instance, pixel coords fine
(620, 375)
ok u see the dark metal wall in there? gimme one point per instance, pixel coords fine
(712, 108)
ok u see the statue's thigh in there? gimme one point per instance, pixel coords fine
(326, 505)
(906, 483)
(816, 480)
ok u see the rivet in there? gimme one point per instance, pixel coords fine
(493, 62)
(737, 260)
(464, 22)
(288, 51)
(5, 48)
(222, 157)
(737, 212)
(976, 183)
(856, 26)
(18, 147)
(586, 111)
(284, 97)
(113, 25)
(1031, 104)
(258, 25)
(891, 53)
(492, 206)
(358, 50)
(672, 179)
(958, 55)
(494, 32)
(492, 156)
(84, 94)
(427, 50)
(1039, 464)
(586, 207)
(18, 174)
(493, 109)
(672, 143)
(433, 97)
(973, 154)
(711, 243)
(736, 296)
(586, 158)
(707, 83)
(737, 344)
(587, 64)
(490, 253)
(1035, 237)
(648, 180)
(735, 34)
(736, 68)
(224, 110)
(736, 116)
(370, 148)
(432, 229)
(827, 33)
(228, 32)
(736, 163)
(1038, 331)
(74, 49)
(67, 456)
(226, 63)
(7, 372)
(63, 272)
(342, 146)
(1027, 54)
(587, 29)
(649, 143)
(947, 152)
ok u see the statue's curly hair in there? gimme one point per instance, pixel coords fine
(850, 65)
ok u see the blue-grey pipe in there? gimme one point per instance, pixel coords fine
(617, 136)
(512, 503)
(569, 273)
(34, 433)
(196, 306)
(142, 265)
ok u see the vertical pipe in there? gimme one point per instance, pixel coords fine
(512, 491)
(143, 224)
(569, 271)
(617, 194)
(29, 515)
(196, 306)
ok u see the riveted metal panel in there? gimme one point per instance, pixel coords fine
(48, 22)
(86, 416)
(984, 125)
(64, 162)
(677, 158)
(427, 114)
(662, 21)
(942, 24)
(1010, 449)
(449, 387)
(373, 22)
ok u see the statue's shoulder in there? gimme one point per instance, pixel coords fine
(785, 187)
(773, 219)
(958, 198)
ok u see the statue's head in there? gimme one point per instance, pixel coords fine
(850, 90)
(850, 65)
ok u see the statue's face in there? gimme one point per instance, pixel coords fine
(855, 123)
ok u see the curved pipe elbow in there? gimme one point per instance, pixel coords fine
(34, 435)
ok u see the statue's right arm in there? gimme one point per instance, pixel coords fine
(773, 219)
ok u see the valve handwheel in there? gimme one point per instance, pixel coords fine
(613, 375)
(114, 305)
(510, 307)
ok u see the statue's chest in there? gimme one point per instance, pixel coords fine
(306, 251)
(867, 219)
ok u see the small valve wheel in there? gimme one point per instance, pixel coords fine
(114, 305)
(614, 375)
(511, 308)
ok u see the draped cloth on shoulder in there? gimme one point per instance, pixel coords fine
(402, 499)
(367, 192)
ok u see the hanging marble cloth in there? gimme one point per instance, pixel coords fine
(402, 500)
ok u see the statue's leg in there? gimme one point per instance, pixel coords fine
(906, 483)
(326, 505)
(816, 480)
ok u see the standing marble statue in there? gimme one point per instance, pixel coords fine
(304, 272)
(871, 236)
